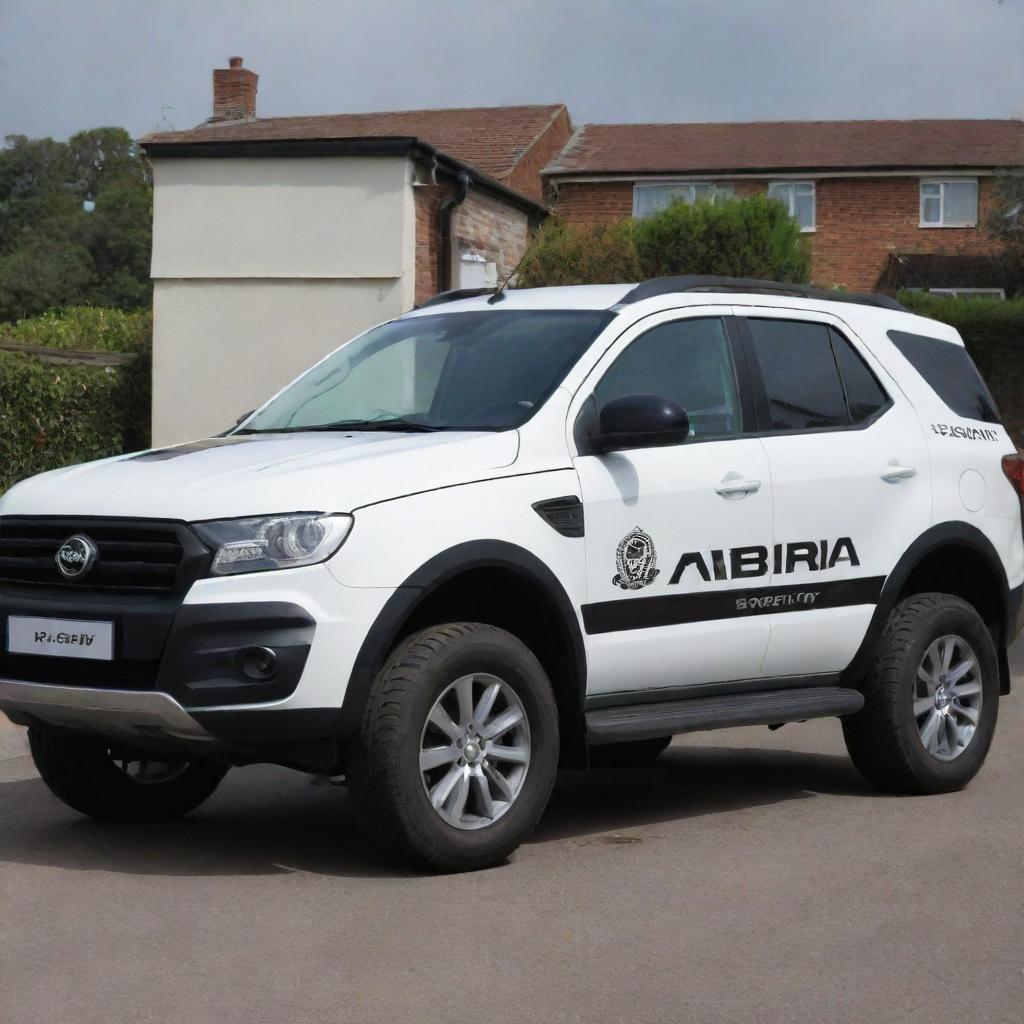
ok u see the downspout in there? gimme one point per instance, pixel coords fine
(444, 229)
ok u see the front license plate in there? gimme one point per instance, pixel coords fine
(60, 638)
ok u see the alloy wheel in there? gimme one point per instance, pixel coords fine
(947, 697)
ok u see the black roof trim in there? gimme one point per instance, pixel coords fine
(708, 283)
(374, 146)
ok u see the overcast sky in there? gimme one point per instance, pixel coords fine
(70, 64)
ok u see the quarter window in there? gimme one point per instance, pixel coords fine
(687, 361)
(951, 374)
(798, 197)
(648, 199)
(949, 204)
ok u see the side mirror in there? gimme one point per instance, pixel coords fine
(640, 421)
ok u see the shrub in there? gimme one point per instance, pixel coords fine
(753, 237)
(54, 415)
(740, 238)
(589, 254)
(994, 335)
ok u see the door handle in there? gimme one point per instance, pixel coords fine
(894, 472)
(735, 486)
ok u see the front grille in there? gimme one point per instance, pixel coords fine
(134, 556)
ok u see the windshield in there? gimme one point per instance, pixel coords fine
(479, 370)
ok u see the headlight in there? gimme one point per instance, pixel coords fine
(273, 542)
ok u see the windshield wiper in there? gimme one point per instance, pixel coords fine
(395, 425)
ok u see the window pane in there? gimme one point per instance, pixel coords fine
(864, 395)
(961, 205)
(800, 374)
(951, 374)
(648, 199)
(687, 361)
(783, 192)
(931, 202)
(804, 209)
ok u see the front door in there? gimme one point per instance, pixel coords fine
(675, 536)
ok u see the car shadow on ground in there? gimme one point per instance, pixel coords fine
(266, 821)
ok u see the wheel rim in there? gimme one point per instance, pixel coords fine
(149, 773)
(475, 751)
(947, 697)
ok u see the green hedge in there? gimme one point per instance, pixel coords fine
(55, 415)
(994, 335)
(753, 237)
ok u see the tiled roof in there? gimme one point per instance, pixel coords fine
(490, 139)
(789, 145)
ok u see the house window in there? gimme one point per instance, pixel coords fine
(798, 197)
(648, 199)
(949, 204)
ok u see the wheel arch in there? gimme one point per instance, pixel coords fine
(489, 581)
(954, 558)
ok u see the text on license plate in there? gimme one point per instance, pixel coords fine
(60, 638)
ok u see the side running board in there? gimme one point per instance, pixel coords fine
(773, 707)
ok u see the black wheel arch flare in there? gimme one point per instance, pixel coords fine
(953, 533)
(417, 588)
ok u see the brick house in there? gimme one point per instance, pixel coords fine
(275, 239)
(881, 201)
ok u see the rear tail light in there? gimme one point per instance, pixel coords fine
(1013, 467)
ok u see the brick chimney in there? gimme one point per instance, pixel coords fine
(234, 92)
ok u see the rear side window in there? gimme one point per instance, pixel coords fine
(801, 378)
(951, 374)
(864, 395)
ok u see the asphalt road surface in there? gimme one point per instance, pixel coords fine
(745, 876)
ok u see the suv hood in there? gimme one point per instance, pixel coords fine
(256, 474)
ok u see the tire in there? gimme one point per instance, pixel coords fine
(886, 739)
(384, 765)
(632, 752)
(81, 771)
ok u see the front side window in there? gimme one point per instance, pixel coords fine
(687, 361)
(648, 199)
(949, 204)
(477, 370)
(798, 197)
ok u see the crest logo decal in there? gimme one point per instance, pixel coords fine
(636, 560)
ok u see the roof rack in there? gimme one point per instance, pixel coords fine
(708, 283)
(454, 295)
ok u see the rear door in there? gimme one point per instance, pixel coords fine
(850, 477)
(674, 535)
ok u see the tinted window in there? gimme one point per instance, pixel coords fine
(950, 372)
(800, 375)
(864, 395)
(687, 361)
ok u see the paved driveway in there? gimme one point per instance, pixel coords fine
(746, 876)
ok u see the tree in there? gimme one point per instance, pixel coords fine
(739, 238)
(58, 249)
(1006, 221)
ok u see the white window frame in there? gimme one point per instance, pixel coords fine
(790, 187)
(942, 222)
(715, 190)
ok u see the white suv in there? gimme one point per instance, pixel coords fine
(515, 531)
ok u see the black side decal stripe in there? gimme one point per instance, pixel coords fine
(677, 609)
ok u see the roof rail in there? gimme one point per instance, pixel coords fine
(708, 283)
(454, 295)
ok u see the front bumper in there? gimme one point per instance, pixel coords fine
(128, 715)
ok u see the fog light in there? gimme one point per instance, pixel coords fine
(259, 662)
